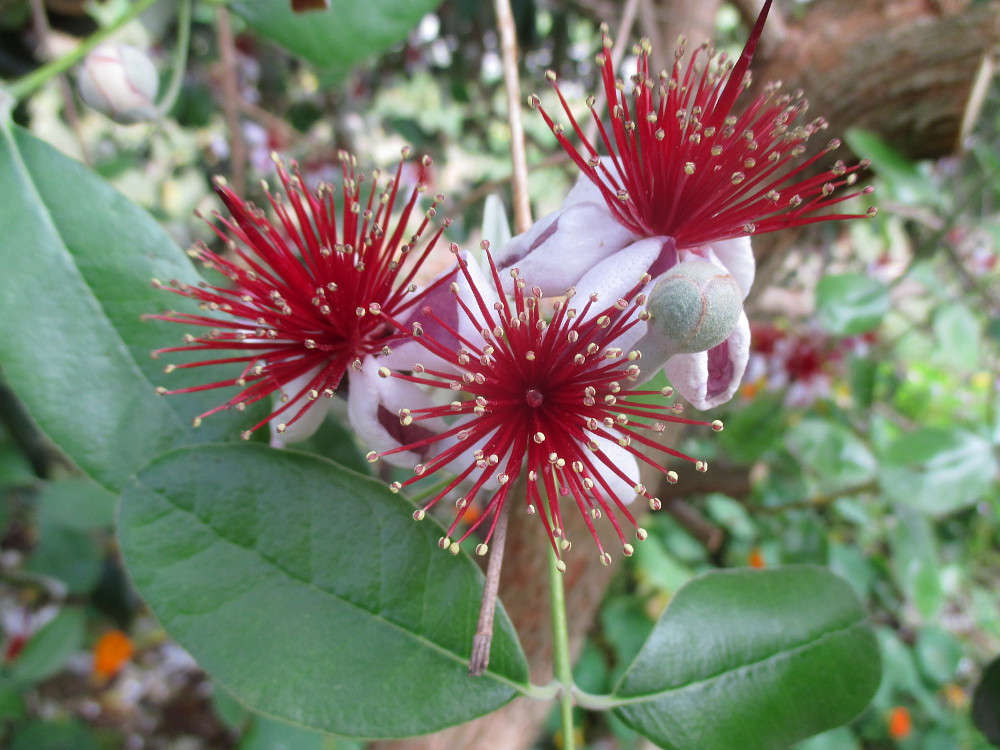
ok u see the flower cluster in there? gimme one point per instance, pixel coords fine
(802, 364)
(305, 291)
(556, 396)
(650, 256)
(684, 176)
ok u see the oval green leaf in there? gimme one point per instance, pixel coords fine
(77, 260)
(340, 37)
(747, 658)
(938, 470)
(851, 303)
(310, 593)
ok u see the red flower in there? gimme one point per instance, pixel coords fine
(554, 397)
(683, 164)
(306, 291)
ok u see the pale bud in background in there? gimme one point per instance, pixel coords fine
(121, 82)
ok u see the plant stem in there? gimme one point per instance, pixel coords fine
(512, 87)
(560, 651)
(180, 58)
(483, 640)
(37, 78)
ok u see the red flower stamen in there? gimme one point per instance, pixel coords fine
(683, 165)
(307, 288)
(538, 394)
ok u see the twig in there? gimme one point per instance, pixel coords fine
(512, 85)
(231, 102)
(480, 658)
(40, 23)
(272, 123)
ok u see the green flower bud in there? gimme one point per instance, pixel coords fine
(695, 306)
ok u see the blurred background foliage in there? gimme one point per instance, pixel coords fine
(864, 437)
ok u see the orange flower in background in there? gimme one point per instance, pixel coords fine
(900, 723)
(111, 651)
(756, 559)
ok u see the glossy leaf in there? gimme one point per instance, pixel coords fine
(342, 36)
(310, 593)
(76, 281)
(938, 470)
(757, 659)
(851, 303)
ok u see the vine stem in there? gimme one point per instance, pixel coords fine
(561, 664)
(38, 78)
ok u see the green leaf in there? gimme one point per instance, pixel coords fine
(937, 470)
(757, 659)
(54, 735)
(902, 177)
(309, 592)
(78, 504)
(836, 739)
(268, 734)
(342, 36)
(48, 649)
(830, 451)
(851, 303)
(915, 560)
(958, 332)
(68, 555)
(76, 282)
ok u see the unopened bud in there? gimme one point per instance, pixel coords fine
(121, 82)
(695, 306)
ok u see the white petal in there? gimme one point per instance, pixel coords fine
(737, 256)
(615, 276)
(313, 411)
(373, 406)
(559, 248)
(708, 379)
(623, 459)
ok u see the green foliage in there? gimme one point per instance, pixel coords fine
(340, 37)
(95, 340)
(211, 533)
(849, 304)
(758, 683)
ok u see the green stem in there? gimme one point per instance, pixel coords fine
(37, 78)
(180, 58)
(560, 651)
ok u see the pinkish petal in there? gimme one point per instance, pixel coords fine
(559, 248)
(373, 406)
(439, 311)
(708, 379)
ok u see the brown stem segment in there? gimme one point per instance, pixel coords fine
(480, 658)
(512, 86)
